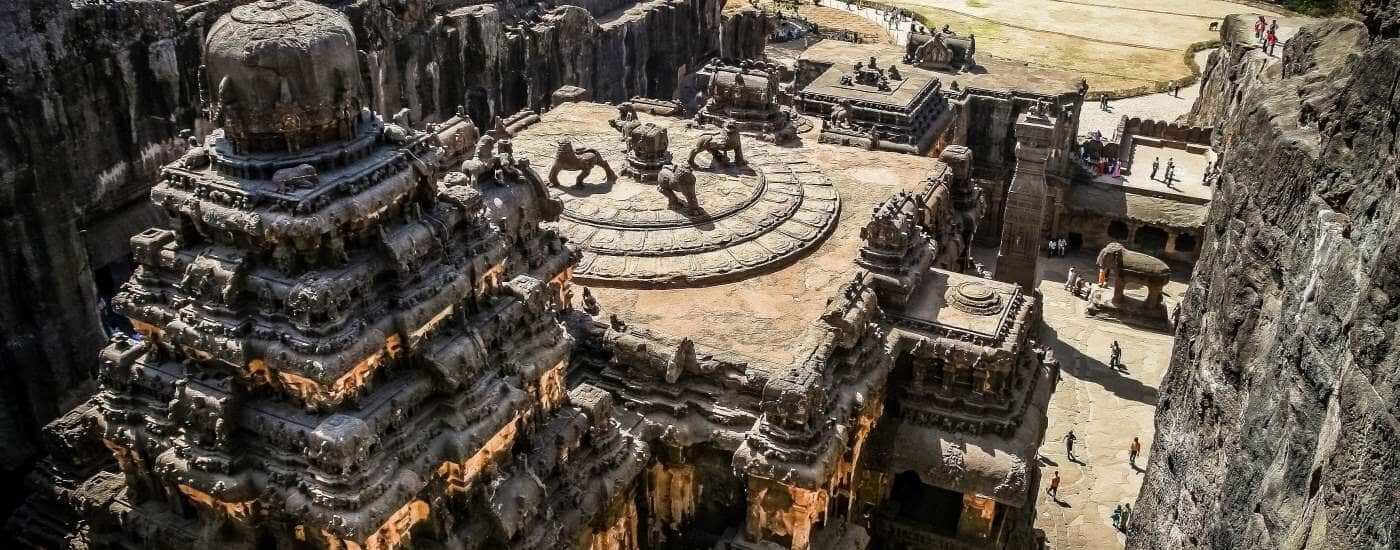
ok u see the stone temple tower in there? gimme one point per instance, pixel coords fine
(343, 344)
(1019, 254)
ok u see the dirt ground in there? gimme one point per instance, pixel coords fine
(1118, 45)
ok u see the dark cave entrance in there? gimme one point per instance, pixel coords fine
(1185, 243)
(1117, 230)
(934, 507)
(1151, 239)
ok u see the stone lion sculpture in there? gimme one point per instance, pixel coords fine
(626, 121)
(484, 161)
(718, 145)
(1129, 266)
(677, 181)
(583, 159)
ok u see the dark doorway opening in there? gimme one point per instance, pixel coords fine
(1117, 230)
(937, 508)
(1185, 242)
(1151, 239)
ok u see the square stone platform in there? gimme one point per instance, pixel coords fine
(991, 73)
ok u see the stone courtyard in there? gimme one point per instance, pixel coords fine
(1104, 407)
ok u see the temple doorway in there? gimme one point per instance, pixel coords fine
(935, 507)
(1150, 239)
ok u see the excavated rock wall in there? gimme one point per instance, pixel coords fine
(1277, 424)
(91, 101)
(93, 96)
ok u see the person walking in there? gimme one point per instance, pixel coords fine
(1064, 247)
(1269, 42)
(1259, 27)
(1070, 438)
(1117, 516)
(1156, 163)
(1123, 519)
(1133, 451)
(1069, 279)
(1171, 167)
(1054, 490)
(1115, 356)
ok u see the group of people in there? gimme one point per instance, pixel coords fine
(1211, 175)
(1120, 520)
(1074, 283)
(1058, 247)
(1121, 515)
(1267, 34)
(1100, 164)
(1170, 175)
(1108, 167)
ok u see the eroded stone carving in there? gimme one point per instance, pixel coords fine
(675, 182)
(718, 145)
(581, 159)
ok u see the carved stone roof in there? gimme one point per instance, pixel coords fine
(278, 67)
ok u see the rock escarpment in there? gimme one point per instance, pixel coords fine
(93, 96)
(1277, 426)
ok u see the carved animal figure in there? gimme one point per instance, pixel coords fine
(1126, 265)
(841, 114)
(301, 176)
(484, 161)
(676, 181)
(939, 50)
(625, 122)
(582, 158)
(718, 145)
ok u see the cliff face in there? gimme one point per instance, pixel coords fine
(91, 103)
(93, 97)
(1277, 425)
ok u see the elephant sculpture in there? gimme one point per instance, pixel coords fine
(718, 145)
(675, 182)
(583, 159)
(1126, 265)
(841, 114)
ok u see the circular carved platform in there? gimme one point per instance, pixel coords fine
(974, 298)
(752, 217)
